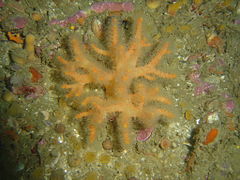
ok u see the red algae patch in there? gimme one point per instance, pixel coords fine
(36, 76)
(211, 136)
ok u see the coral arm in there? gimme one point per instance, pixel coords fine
(96, 73)
(78, 52)
(76, 89)
(96, 121)
(163, 74)
(150, 115)
(138, 33)
(147, 76)
(121, 107)
(78, 77)
(99, 50)
(150, 69)
(138, 101)
(164, 112)
(113, 33)
(63, 61)
(93, 100)
(92, 133)
(82, 114)
(138, 37)
(162, 99)
(156, 59)
(136, 44)
(71, 67)
(151, 94)
(124, 126)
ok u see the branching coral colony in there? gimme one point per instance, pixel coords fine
(124, 95)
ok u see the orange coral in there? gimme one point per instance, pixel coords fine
(117, 81)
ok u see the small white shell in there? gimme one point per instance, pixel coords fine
(212, 117)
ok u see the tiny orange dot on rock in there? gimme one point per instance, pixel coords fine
(165, 143)
(107, 144)
(60, 128)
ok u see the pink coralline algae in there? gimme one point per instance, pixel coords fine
(144, 134)
(195, 77)
(100, 7)
(70, 20)
(203, 87)
(237, 21)
(29, 92)
(229, 106)
(97, 7)
(20, 22)
(1, 3)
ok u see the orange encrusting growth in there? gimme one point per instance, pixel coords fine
(15, 37)
(211, 136)
(122, 95)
